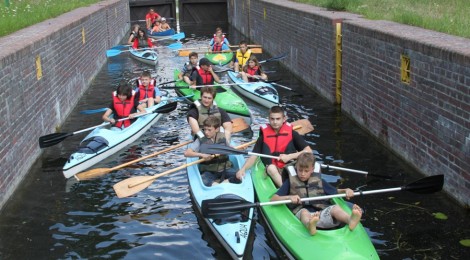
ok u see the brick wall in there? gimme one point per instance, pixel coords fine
(426, 122)
(33, 107)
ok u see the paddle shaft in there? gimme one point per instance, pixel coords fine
(156, 176)
(326, 197)
(150, 155)
(343, 169)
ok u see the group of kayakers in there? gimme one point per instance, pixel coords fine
(293, 171)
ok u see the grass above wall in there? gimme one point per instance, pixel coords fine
(447, 16)
(19, 14)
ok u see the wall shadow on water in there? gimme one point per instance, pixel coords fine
(49, 217)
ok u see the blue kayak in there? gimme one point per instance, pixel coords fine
(147, 56)
(260, 92)
(103, 142)
(233, 234)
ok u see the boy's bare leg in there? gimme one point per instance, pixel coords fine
(355, 217)
(275, 175)
(312, 225)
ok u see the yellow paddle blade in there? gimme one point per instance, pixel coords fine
(256, 50)
(93, 173)
(102, 171)
(239, 124)
(302, 126)
(132, 185)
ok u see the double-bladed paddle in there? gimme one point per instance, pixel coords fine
(222, 149)
(103, 109)
(282, 56)
(186, 52)
(227, 207)
(55, 138)
(239, 125)
(131, 186)
(115, 51)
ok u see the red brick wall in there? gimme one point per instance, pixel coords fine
(426, 122)
(31, 107)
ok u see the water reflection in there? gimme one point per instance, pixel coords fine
(52, 218)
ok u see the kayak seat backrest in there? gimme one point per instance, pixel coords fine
(242, 217)
(92, 145)
(263, 90)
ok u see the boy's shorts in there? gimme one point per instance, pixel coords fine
(326, 220)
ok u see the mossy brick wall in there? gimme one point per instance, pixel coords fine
(426, 122)
(33, 107)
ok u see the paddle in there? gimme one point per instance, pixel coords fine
(175, 45)
(222, 149)
(239, 125)
(55, 138)
(114, 52)
(227, 207)
(131, 186)
(176, 37)
(249, 46)
(103, 109)
(274, 58)
(186, 52)
(214, 85)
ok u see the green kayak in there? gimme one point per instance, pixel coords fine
(221, 58)
(294, 238)
(225, 99)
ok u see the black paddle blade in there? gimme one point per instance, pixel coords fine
(219, 149)
(426, 185)
(52, 139)
(224, 207)
(166, 108)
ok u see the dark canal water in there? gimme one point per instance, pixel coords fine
(49, 217)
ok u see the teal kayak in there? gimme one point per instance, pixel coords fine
(295, 240)
(233, 234)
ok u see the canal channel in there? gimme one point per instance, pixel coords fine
(49, 217)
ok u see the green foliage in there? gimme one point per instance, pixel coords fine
(16, 15)
(447, 16)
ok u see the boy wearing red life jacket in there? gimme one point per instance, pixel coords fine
(203, 74)
(123, 105)
(279, 139)
(147, 93)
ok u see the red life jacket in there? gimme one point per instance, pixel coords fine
(217, 47)
(206, 76)
(223, 37)
(276, 144)
(146, 92)
(123, 109)
(252, 71)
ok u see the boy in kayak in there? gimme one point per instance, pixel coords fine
(188, 68)
(276, 138)
(303, 182)
(123, 105)
(147, 93)
(205, 107)
(219, 45)
(203, 74)
(213, 170)
(241, 56)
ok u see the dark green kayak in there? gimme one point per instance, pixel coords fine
(225, 99)
(293, 237)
